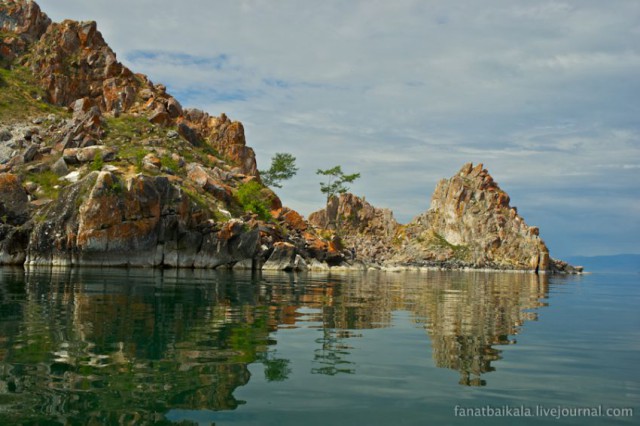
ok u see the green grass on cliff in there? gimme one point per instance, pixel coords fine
(48, 182)
(21, 98)
(436, 242)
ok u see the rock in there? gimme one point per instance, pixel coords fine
(146, 94)
(5, 135)
(60, 167)
(143, 221)
(30, 153)
(26, 21)
(204, 178)
(470, 221)
(365, 229)
(69, 155)
(174, 108)
(14, 202)
(283, 258)
(87, 154)
(160, 117)
(189, 134)
(30, 187)
(246, 264)
(151, 163)
(292, 219)
(72, 177)
(13, 244)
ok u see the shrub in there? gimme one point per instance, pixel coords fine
(251, 198)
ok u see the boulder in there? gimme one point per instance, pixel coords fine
(14, 202)
(284, 258)
(60, 167)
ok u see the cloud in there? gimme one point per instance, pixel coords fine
(405, 92)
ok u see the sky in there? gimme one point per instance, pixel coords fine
(544, 93)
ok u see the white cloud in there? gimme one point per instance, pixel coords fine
(543, 92)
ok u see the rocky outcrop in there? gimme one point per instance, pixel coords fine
(14, 207)
(471, 221)
(284, 257)
(105, 220)
(21, 23)
(470, 224)
(365, 232)
(14, 213)
(72, 62)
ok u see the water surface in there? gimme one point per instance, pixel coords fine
(117, 346)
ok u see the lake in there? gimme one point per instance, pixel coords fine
(118, 346)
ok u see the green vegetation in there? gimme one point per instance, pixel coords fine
(169, 163)
(97, 163)
(283, 167)
(116, 188)
(336, 182)
(437, 241)
(21, 98)
(48, 183)
(199, 199)
(252, 198)
(127, 126)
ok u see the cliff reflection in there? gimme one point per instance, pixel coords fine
(121, 346)
(83, 347)
(466, 314)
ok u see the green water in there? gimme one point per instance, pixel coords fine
(218, 347)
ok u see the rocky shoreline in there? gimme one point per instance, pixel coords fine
(101, 167)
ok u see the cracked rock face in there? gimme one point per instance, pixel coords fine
(144, 221)
(470, 218)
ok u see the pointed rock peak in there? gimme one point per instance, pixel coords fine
(470, 219)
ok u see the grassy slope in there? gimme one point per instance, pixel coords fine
(21, 98)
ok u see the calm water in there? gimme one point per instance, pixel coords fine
(229, 348)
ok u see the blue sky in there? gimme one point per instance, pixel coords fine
(544, 93)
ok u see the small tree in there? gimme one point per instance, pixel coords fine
(337, 180)
(283, 167)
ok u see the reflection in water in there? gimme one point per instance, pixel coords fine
(123, 346)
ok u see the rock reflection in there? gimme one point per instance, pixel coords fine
(466, 314)
(118, 346)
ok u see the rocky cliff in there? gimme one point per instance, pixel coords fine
(365, 231)
(470, 220)
(469, 224)
(100, 166)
